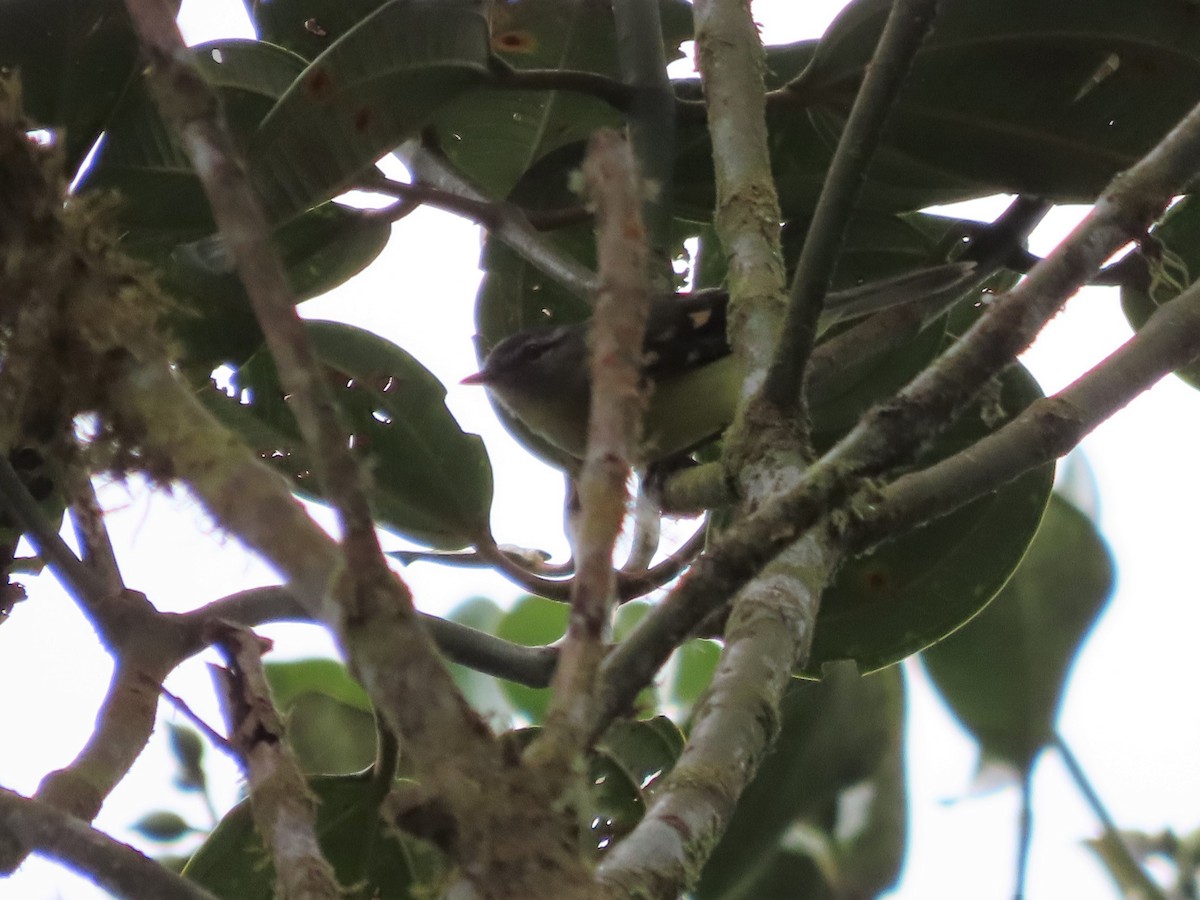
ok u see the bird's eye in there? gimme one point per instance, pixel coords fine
(534, 349)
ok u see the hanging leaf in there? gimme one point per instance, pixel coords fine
(1004, 672)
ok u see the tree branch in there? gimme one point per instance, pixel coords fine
(891, 432)
(907, 24)
(1046, 430)
(114, 866)
(610, 172)
(510, 225)
(283, 808)
(459, 643)
(771, 628)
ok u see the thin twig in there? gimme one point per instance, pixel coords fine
(460, 643)
(650, 122)
(1115, 840)
(81, 581)
(215, 737)
(907, 24)
(510, 227)
(616, 94)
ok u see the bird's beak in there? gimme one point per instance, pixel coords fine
(477, 378)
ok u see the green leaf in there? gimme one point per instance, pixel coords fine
(330, 724)
(646, 749)
(1004, 672)
(308, 27)
(534, 622)
(1158, 281)
(167, 220)
(482, 691)
(214, 321)
(188, 749)
(328, 677)
(74, 58)
(375, 86)
(370, 859)
(916, 589)
(495, 135)
(162, 826)
(695, 663)
(1050, 99)
(826, 808)
(430, 481)
(142, 158)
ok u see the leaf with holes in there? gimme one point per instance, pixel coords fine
(374, 87)
(429, 480)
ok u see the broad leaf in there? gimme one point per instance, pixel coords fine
(1004, 672)
(143, 159)
(917, 588)
(74, 59)
(213, 319)
(375, 86)
(1050, 99)
(429, 480)
(495, 135)
(330, 724)
(369, 858)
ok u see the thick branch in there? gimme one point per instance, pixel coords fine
(114, 866)
(891, 432)
(769, 631)
(1046, 430)
(730, 57)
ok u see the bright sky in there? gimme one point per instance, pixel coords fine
(1125, 715)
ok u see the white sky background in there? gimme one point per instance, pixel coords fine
(1128, 715)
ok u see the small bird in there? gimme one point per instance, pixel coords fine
(540, 376)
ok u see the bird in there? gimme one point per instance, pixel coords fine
(540, 376)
